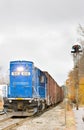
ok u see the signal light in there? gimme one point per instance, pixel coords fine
(76, 49)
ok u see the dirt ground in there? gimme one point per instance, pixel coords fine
(70, 121)
(58, 118)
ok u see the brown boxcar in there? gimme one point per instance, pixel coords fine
(61, 94)
(53, 91)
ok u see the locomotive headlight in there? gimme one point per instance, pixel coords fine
(20, 68)
(30, 101)
(10, 101)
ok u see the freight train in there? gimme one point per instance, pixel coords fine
(30, 89)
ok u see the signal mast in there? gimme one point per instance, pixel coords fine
(76, 49)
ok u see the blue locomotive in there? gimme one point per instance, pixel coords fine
(27, 89)
(30, 89)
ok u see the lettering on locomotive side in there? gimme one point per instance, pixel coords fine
(21, 83)
(15, 73)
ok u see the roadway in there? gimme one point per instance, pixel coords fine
(79, 114)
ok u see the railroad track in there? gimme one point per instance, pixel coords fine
(10, 123)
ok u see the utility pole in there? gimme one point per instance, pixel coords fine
(76, 49)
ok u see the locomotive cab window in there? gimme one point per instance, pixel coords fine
(42, 79)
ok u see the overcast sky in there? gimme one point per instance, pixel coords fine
(42, 31)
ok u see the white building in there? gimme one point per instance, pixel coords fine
(3, 90)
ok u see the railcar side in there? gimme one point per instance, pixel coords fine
(54, 93)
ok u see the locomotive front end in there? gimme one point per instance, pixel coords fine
(20, 88)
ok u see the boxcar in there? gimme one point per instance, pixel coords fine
(53, 95)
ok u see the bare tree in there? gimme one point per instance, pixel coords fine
(80, 31)
(4, 76)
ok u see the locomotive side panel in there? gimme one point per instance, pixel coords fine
(41, 83)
